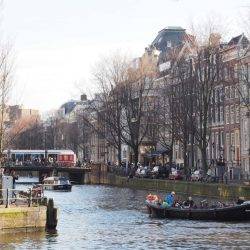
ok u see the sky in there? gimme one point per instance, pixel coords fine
(57, 42)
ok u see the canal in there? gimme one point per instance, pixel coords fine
(102, 217)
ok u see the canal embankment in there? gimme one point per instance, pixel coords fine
(28, 217)
(24, 218)
(100, 175)
(25, 210)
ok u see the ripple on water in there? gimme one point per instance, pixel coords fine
(101, 217)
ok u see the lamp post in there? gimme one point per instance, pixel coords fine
(134, 133)
(232, 149)
(45, 144)
(221, 163)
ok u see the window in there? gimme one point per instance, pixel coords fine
(221, 94)
(237, 114)
(228, 145)
(214, 96)
(232, 114)
(237, 91)
(216, 115)
(213, 114)
(235, 71)
(237, 138)
(225, 73)
(232, 92)
(212, 145)
(232, 138)
(221, 139)
(216, 144)
(227, 115)
(221, 114)
(227, 92)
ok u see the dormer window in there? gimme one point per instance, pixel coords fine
(169, 44)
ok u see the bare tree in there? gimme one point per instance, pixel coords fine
(110, 75)
(25, 133)
(6, 70)
(138, 103)
(182, 105)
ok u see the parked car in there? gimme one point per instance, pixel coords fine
(176, 174)
(154, 172)
(197, 175)
(142, 172)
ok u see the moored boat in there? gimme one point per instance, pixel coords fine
(235, 212)
(57, 183)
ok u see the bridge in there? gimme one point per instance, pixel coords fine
(75, 174)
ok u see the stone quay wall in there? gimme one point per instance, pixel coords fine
(22, 217)
(100, 175)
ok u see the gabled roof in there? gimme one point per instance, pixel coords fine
(241, 39)
(235, 40)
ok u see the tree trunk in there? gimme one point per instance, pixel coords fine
(185, 158)
(119, 152)
(204, 158)
(192, 152)
(136, 154)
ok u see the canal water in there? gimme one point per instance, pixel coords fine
(102, 217)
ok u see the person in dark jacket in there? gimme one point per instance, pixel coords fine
(189, 202)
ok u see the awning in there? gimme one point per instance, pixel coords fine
(157, 153)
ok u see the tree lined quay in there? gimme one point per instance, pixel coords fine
(184, 103)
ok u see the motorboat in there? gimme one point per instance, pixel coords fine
(57, 183)
(236, 212)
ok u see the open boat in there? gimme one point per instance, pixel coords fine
(57, 183)
(228, 213)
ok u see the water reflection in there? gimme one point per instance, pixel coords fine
(101, 217)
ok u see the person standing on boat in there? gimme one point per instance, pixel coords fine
(189, 202)
(170, 198)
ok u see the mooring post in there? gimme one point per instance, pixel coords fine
(30, 197)
(51, 222)
(7, 198)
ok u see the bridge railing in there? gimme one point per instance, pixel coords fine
(37, 164)
(33, 196)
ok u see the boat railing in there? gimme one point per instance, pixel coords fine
(32, 197)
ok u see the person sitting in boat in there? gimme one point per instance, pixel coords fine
(240, 200)
(170, 198)
(189, 202)
(153, 198)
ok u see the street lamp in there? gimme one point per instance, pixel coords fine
(45, 144)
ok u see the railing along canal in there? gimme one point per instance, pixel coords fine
(34, 196)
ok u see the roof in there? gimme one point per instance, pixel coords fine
(168, 38)
(173, 28)
(241, 39)
(39, 151)
(235, 40)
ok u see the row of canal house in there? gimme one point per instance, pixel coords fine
(229, 144)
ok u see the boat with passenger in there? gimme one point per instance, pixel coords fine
(239, 211)
(57, 183)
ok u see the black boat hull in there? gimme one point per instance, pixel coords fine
(234, 213)
(65, 187)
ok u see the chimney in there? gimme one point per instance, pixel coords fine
(214, 39)
(83, 97)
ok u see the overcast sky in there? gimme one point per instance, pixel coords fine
(58, 41)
